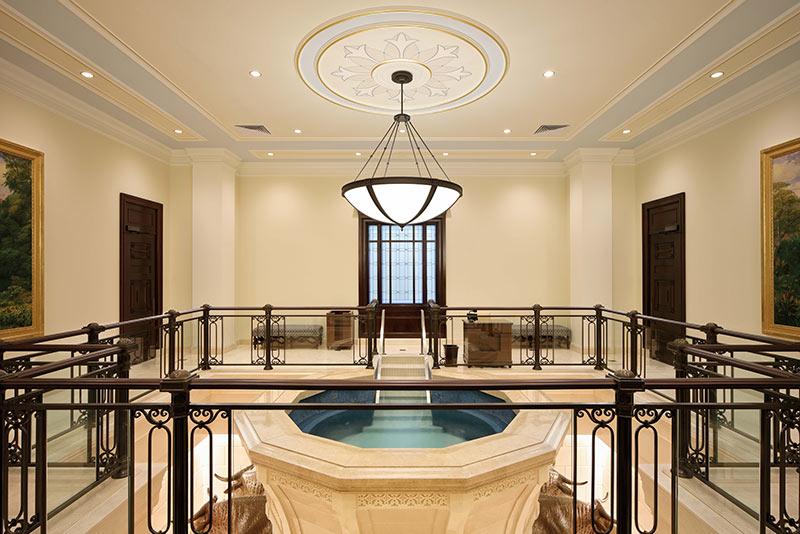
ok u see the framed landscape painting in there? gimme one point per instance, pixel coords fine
(780, 211)
(21, 268)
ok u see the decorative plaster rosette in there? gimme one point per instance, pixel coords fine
(350, 60)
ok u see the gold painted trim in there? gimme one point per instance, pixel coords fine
(37, 241)
(696, 33)
(438, 12)
(778, 36)
(25, 35)
(768, 324)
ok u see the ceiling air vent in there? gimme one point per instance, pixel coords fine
(250, 129)
(544, 128)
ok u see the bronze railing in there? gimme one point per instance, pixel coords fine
(87, 373)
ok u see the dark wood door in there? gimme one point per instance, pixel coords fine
(140, 271)
(664, 263)
(402, 269)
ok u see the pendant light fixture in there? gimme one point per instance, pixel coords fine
(397, 199)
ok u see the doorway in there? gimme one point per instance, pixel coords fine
(664, 271)
(141, 250)
(401, 268)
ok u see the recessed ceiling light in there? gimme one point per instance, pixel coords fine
(507, 131)
(548, 73)
(626, 131)
(445, 154)
(255, 73)
(402, 131)
(533, 153)
(358, 153)
(298, 131)
(717, 74)
(178, 131)
(87, 74)
(270, 154)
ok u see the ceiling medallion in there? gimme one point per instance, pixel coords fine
(401, 198)
(452, 60)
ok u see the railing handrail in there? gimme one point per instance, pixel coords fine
(7, 345)
(195, 382)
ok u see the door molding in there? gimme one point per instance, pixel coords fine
(124, 199)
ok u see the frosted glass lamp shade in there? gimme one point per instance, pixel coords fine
(402, 200)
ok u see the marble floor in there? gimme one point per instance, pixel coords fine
(107, 504)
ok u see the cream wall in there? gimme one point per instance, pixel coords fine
(720, 173)
(84, 173)
(506, 241)
(178, 231)
(626, 240)
(296, 242)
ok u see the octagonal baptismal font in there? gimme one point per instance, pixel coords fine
(390, 472)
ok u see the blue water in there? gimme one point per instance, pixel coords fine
(429, 429)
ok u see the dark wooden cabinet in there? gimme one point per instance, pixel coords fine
(487, 343)
(339, 326)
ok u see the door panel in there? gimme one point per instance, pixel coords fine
(664, 291)
(140, 271)
(402, 269)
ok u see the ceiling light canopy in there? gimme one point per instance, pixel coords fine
(402, 199)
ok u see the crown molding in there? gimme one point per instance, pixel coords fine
(769, 90)
(32, 39)
(349, 169)
(179, 158)
(25, 85)
(211, 156)
(591, 155)
(778, 35)
(625, 158)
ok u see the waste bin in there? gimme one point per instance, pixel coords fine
(451, 355)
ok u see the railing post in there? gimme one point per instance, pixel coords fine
(177, 385)
(4, 456)
(121, 429)
(40, 473)
(682, 396)
(268, 337)
(633, 316)
(430, 328)
(598, 337)
(764, 464)
(435, 319)
(93, 336)
(172, 327)
(710, 330)
(627, 384)
(370, 334)
(205, 363)
(537, 337)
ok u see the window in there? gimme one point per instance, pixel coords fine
(401, 265)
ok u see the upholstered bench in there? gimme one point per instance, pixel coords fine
(551, 335)
(290, 335)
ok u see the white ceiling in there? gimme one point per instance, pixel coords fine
(190, 62)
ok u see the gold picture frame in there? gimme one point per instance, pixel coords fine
(780, 183)
(35, 324)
